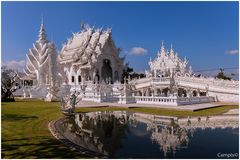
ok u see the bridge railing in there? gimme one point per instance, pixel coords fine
(173, 100)
(152, 79)
(195, 100)
(156, 100)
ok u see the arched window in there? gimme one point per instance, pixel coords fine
(79, 79)
(72, 79)
(106, 71)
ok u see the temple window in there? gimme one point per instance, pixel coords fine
(31, 82)
(72, 79)
(203, 94)
(79, 79)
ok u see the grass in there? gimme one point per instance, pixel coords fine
(25, 131)
(165, 112)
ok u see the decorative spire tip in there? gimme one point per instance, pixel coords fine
(42, 20)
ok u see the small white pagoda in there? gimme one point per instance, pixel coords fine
(168, 64)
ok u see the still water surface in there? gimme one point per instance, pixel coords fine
(121, 134)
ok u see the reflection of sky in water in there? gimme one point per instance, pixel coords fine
(133, 135)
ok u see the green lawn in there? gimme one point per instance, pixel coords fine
(25, 131)
(165, 112)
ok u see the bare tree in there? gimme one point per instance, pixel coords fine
(10, 83)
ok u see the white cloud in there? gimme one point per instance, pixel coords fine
(16, 65)
(138, 51)
(235, 51)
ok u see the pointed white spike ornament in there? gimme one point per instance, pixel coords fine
(190, 71)
(163, 50)
(172, 56)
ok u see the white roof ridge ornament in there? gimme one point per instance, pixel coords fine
(82, 25)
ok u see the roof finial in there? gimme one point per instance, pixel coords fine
(42, 20)
(172, 52)
(42, 35)
(82, 25)
(162, 43)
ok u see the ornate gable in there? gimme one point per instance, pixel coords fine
(84, 46)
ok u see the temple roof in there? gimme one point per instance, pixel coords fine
(166, 60)
(85, 43)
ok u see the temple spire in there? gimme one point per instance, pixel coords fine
(42, 20)
(82, 25)
(172, 52)
(42, 35)
(163, 50)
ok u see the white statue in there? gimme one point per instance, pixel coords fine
(68, 106)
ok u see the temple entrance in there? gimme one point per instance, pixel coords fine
(106, 73)
(182, 92)
(96, 80)
(165, 92)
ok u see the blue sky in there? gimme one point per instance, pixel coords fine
(204, 32)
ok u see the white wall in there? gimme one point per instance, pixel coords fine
(225, 97)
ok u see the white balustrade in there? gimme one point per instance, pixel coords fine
(194, 100)
(156, 100)
(174, 101)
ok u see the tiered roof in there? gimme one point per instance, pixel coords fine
(87, 43)
(166, 60)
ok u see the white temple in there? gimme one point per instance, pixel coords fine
(91, 55)
(89, 63)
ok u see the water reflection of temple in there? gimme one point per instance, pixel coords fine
(172, 133)
(104, 132)
(100, 130)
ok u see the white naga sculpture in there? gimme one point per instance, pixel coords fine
(68, 103)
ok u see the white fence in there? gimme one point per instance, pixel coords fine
(195, 100)
(174, 101)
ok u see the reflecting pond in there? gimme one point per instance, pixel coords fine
(121, 134)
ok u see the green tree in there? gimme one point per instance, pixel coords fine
(128, 72)
(221, 75)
